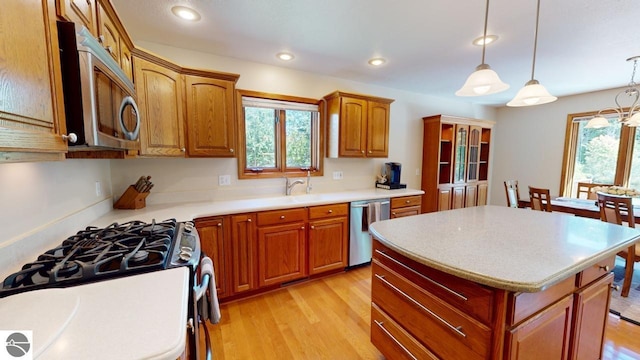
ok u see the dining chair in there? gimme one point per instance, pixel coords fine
(615, 209)
(540, 199)
(513, 196)
(584, 190)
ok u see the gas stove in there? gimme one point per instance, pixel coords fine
(96, 254)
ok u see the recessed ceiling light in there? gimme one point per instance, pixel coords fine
(480, 41)
(377, 61)
(186, 13)
(285, 56)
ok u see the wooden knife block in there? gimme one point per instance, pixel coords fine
(131, 199)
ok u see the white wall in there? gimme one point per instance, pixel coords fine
(197, 179)
(529, 142)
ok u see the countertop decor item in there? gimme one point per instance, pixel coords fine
(135, 195)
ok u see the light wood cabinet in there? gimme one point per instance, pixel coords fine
(328, 238)
(405, 206)
(160, 101)
(455, 157)
(108, 34)
(81, 12)
(454, 318)
(214, 234)
(211, 115)
(31, 106)
(358, 125)
(282, 246)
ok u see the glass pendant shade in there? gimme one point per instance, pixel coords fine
(483, 81)
(532, 93)
(634, 120)
(597, 122)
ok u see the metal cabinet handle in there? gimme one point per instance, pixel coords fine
(605, 268)
(456, 329)
(380, 325)
(101, 39)
(71, 137)
(615, 287)
(423, 276)
(366, 205)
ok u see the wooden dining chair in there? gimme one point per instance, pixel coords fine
(540, 199)
(615, 209)
(513, 195)
(584, 190)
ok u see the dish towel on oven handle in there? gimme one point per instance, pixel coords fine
(209, 305)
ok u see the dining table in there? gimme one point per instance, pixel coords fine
(580, 207)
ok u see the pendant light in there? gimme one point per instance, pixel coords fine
(483, 81)
(533, 93)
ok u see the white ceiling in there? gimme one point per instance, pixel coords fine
(582, 44)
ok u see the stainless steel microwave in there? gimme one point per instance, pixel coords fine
(99, 98)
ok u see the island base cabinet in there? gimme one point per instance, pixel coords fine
(544, 336)
(590, 317)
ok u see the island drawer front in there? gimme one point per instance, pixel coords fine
(393, 341)
(522, 305)
(595, 271)
(324, 211)
(447, 332)
(404, 201)
(473, 299)
(281, 216)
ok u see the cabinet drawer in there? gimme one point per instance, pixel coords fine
(281, 216)
(595, 271)
(323, 211)
(446, 331)
(474, 299)
(406, 201)
(392, 340)
(522, 305)
(405, 211)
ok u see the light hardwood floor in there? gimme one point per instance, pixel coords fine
(329, 318)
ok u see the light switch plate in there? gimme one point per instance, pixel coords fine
(98, 188)
(224, 180)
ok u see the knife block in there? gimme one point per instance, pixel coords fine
(131, 199)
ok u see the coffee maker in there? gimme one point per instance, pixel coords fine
(391, 176)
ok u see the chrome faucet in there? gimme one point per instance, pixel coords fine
(292, 184)
(309, 187)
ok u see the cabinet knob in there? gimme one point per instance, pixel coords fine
(605, 268)
(183, 149)
(302, 228)
(408, 202)
(248, 220)
(219, 224)
(330, 211)
(231, 150)
(362, 151)
(101, 39)
(312, 227)
(370, 151)
(72, 138)
(281, 217)
(393, 213)
(615, 287)
(88, 2)
(109, 49)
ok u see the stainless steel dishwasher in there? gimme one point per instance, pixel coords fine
(359, 237)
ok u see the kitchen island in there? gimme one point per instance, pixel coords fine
(493, 282)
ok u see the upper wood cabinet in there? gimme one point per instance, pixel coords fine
(81, 12)
(455, 162)
(358, 125)
(211, 114)
(31, 103)
(160, 102)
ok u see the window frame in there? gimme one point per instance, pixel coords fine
(317, 151)
(625, 152)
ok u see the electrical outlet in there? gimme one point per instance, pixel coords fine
(417, 172)
(98, 188)
(337, 175)
(224, 180)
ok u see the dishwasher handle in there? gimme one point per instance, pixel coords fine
(367, 205)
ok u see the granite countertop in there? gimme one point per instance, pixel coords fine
(190, 211)
(126, 318)
(506, 248)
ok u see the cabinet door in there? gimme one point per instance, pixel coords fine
(444, 199)
(243, 253)
(31, 104)
(210, 117)
(160, 103)
(126, 60)
(483, 189)
(328, 243)
(591, 306)
(457, 197)
(353, 127)
(460, 153)
(81, 12)
(471, 195)
(545, 336)
(473, 158)
(281, 253)
(108, 34)
(212, 239)
(377, 129)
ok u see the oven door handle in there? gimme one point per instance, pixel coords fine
(209, 355)
(202, 288)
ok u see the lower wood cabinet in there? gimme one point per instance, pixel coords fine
(243, 251)
(418, 312)
(213, 233)
(282, 252)
(328, 238)
(406, 206)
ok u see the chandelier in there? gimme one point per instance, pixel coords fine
(630, 117)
